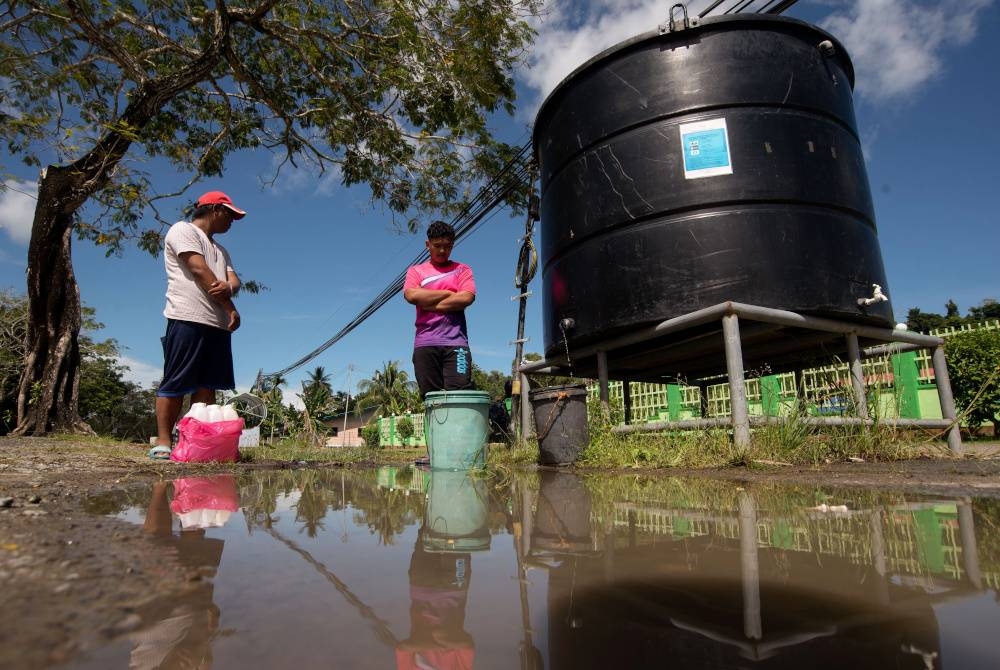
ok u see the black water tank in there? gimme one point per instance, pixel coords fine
(764, 201)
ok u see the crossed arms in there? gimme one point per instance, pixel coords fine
(219, 290)
(439, 300)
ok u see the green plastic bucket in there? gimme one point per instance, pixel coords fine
(457, 424)
(455, 513)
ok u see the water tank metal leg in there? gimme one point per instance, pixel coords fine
(857, 375)
(527, 416)
(627, 400)
(750, 567)
(702, 398)
(602, 381)
(970, 555)
(737, 387)
(878, 557)
(943, 382)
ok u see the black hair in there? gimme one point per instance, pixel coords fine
(440, 229)
(201, 211)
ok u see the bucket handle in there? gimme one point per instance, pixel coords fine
(434, 524)
(560, 396)
(436, 404)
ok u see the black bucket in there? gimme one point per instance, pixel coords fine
(560, 422)
(562, 517)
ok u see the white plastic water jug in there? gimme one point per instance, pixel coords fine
(199, 410)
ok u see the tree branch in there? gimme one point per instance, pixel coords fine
(101, 37)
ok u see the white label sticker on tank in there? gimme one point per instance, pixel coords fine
(706, 149)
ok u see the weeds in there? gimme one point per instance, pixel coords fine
(524, 453)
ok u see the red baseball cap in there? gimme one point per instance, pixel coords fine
(220, 198)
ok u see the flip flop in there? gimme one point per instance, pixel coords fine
(160, 452)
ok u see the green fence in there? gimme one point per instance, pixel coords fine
(388, 431)
(898, 386)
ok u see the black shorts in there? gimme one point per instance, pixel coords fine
(195, 356)
(442, 368)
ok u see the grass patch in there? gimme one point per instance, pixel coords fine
(790, 441)
(294, 450)
(607, 449)
(525, 453)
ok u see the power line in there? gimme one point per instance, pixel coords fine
(512, 176)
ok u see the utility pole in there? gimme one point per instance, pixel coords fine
(525, 272)
(347, 404)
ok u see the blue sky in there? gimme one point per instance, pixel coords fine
(927, 96)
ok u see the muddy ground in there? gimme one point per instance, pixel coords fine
(72, 579)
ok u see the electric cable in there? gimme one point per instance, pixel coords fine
(513, 175)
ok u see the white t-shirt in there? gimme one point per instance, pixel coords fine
(186, 301)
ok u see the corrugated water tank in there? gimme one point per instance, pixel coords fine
(714, 162)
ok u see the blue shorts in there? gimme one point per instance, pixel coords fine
(195, 356)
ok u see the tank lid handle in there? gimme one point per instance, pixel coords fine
(673, 26)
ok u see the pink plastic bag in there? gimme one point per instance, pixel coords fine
(203, 442)
(215, 492)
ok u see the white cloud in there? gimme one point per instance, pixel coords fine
(140, 372)
(290, 397)
(285, 179)
(897, 46)
(17, 208)
(569, 34)
(328, 183)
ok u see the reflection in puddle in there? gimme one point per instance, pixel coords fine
(374, 569)
(180, 634)
(454, 526)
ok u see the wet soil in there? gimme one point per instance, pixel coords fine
(73, 579)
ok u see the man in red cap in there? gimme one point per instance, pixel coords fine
(201, 316)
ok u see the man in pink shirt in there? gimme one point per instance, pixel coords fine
(441, 289)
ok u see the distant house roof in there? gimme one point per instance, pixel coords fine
(354, 419)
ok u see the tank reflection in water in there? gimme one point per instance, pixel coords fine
(374, 569)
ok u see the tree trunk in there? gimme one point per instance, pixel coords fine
(48, 395)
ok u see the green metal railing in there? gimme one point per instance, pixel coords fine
(901, 385)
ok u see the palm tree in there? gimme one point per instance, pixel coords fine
(276, 419)
(319, 378)
(389, 390)
(316, 400)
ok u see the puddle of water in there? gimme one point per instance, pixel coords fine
(409, 568)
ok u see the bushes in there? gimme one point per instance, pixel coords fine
(370, 435)
(974, 368)
(405, 428)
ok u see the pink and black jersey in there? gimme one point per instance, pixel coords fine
(436, 329)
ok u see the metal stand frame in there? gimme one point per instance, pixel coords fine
(730, 313)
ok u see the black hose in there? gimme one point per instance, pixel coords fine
(527, 264)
